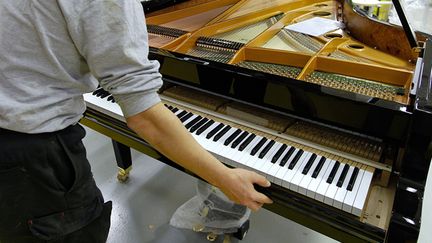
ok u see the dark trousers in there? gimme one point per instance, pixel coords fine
(47, 190)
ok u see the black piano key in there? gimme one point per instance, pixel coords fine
(266, 149)
(295, 159)
(181, 114)
(333, 172)
(353, 179)
(247, 142)
(204, 127)
(166, 105)
(191, 123)
(287, 156)
(214, 131)
(105, 94)
(170, 107)
(174, 110)
(343, 175)
(111, 98)
(309, 164)
(258, 146)
(232, 137)
(198, 124)
(187, 116)
(96, 91)
(221, 133)
(239, 139)
(279, 153)
(318, 167)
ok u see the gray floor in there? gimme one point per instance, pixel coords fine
(143, 206)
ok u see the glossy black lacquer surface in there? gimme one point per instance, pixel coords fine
(366, 115)
(406, 218)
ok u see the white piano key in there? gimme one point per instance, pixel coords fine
(332, 189)
(286, 181)
(271, 173)
(203, 141)
(341, 191)
(322, 188)
(350, 196)
(239, 154)
(304, 183)
(103, 105)
(245, 157)
(280, 175)
(227, 152)
(268, 164)
(299, 175)
(315, 182)
(236, 154)
(265, 162)
(254, 162)
(362, 193)
(190, 119)
(219, 144)
(215, 146)
(274, 170)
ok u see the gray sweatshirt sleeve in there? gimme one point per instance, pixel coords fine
(111, 36)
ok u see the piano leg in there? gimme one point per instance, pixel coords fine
(124, 160)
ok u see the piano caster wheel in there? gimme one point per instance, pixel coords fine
(242, 231)
(123, 175)
(122, 178)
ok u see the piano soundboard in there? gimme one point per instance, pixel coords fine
(284, 160)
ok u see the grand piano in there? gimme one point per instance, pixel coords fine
(339, 123)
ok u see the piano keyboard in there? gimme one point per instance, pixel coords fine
(343, 185)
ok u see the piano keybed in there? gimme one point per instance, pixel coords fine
(327, 178)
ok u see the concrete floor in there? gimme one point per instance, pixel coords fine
(143, 206)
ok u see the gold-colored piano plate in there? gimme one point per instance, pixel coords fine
(196, 10)
(178, 6)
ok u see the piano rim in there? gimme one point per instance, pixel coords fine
(322, 218)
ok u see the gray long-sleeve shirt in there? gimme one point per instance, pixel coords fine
(53, 51)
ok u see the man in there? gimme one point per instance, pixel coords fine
(53, 51)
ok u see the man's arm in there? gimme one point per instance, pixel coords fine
(166, 133)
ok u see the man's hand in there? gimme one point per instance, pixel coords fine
(238, 186)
